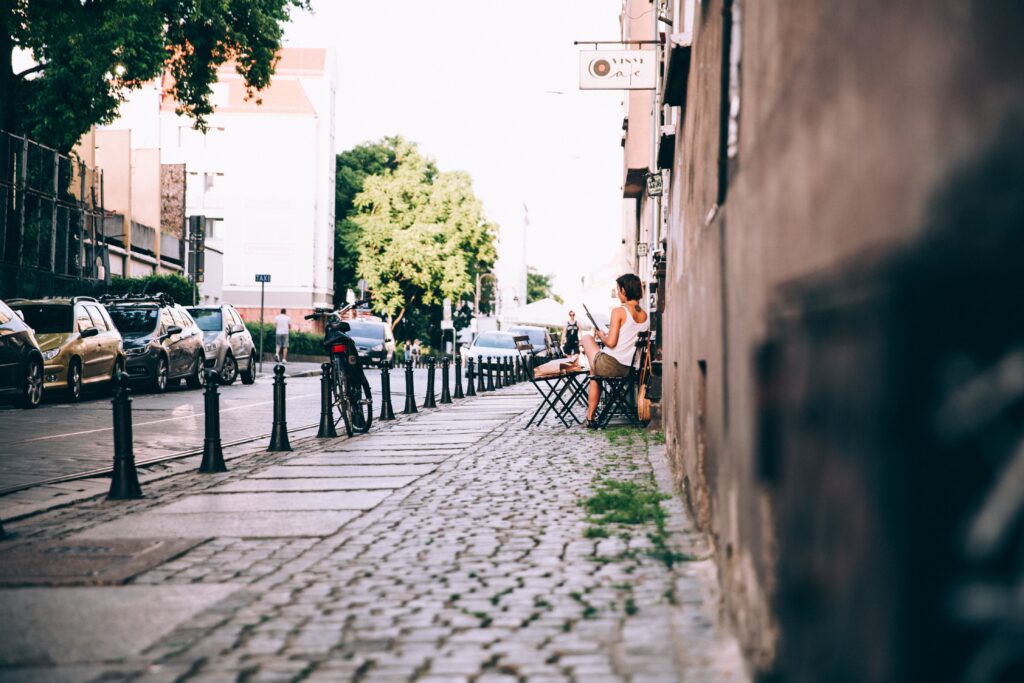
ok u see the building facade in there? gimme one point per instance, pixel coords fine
(262, 176)
(808, 150)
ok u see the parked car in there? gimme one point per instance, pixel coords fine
(374, 340)
(80, 344)
(21, 361)
(497, 345)
(162, 343)
(543, 347)
(228, 345)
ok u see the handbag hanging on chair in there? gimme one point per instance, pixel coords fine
(643, 404)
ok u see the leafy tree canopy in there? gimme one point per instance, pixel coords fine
(424, 234)
(91, 53)
(353, 166)
(538, 286)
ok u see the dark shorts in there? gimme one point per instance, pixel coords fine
(606, 366)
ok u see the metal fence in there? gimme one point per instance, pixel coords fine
(51, 215)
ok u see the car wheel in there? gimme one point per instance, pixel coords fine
(160, 376)
(249, 374)
(229, 370)
(198, 377)
(112, 382)
(32, 395)
(75, 380)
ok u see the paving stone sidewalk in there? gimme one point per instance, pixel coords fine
(450, 546)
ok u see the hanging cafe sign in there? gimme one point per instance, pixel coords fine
(618, 69)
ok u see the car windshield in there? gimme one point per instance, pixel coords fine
(48, 318)
(366, 330)
(494, 340)
(134, 321)
(536, 336)
(208, 319)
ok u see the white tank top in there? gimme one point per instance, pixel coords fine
(626, 345)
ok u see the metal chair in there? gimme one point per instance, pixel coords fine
(618, 394)
(559, 392)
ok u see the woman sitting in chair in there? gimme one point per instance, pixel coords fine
(614, 360)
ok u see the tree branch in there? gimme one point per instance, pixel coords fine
(34, 69)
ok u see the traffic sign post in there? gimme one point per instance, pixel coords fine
(263, 279)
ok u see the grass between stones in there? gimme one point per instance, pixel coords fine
(621, 507)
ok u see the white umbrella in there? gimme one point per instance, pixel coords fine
(545, 313)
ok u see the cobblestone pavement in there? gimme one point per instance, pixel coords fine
(477, 568)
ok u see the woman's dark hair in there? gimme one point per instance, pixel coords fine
(630, 284)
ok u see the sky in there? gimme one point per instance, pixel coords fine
(490, 87)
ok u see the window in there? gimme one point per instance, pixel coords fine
(165, 319)
(133, 322)
(46, 319)
(96, 317)
(82, 319)
(208, 319)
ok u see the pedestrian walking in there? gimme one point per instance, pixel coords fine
(572, 335)
(416, 352)
(282, 325)
(407, 351)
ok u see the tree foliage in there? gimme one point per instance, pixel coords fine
(353, 166)
(91, 53)
(538, 286)
(424, 234)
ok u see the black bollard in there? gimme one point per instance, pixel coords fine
(490, 374)
(470, 377)
(213, 456)
(516, 379)
(499, 363)
(458, 377)
(446, 394)
(480, 375)
(428, 400)
(508, 373)
(326, 430)
(506, 378)
(124, 480)
(386, 411)
(279, 435)
(410, 391)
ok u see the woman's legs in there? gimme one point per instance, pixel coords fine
(591, 349)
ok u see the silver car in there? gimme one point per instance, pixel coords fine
(228, 345)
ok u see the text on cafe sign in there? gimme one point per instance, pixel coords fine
(618, 70)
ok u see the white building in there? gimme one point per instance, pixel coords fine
(262, 175)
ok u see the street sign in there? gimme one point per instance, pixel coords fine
(447, 311)
(362, 288)
(641, 248)
(618, 69)
(262, 277)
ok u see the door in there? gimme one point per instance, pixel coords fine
(239, 346)
(106, 343)
(88, 347)
(172, 344)
(191, 338)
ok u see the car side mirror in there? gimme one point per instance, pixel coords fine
(88, 332)
(173, 329)
(344, 326)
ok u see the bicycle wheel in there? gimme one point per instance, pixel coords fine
(362, 407)
(342, 406)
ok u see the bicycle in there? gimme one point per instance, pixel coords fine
(351, 398)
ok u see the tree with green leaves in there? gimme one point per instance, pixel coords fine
(424, 234)
(353, 167)
(538, 286)
(90, 53)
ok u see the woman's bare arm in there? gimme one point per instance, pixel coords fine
(611, 338)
